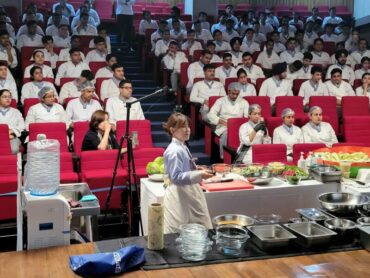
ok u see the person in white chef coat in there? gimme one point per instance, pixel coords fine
(47, 111)
(347, 71)
(31, 89)
(184, 201)
(245, 88)
(39, 59)
(227, 107)
(254, 72)
(248, 44)
(361, 52)
(6, 82)
(13, 118)
(318, 55)
(72, 89)
(226, 70)
(365, 62)
(7, 51)
(277, 85)
(221, 44)
(195, 69)
(288, 133)
(191, 44)
(75, 42)
(81, 109)
(107, 71)
(252, 132)
(364, 89)
(116, 106)
(99, 53)
(235, 44)
(314, 86)
(290, 54)
(110, 87)
(30, 38)
(317, 131)
(338, 87)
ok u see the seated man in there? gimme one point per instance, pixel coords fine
(48, 51)
(248, 44)
(253, 71)
(277, 85)
(39, 59)
(305, 71)
(314, 86)
(65, 8)
(362, 52)
(31, 38)
(229, 32)
(191, 44)
(196, 68)
(268, 57)
(319, 56)
(202, 34)
(116, 106)
(175, 14)
(62, 38)
(329, 35)
(71, 68)
(5, 26)
(245, 88)
(220, 25)
(172, 61)
(107, 71)
(157, 35)
(226, 70)
(72, 89)
(364, 89)
(278, 46)
(365, 62)
(338, 87)
(227, 107)
(285, 33)
(235, 52)
(92, 12)
(6, 82)
(30, 17)
(147, 23)
(102, 32)
(56, 20)
(259, 37)
(309, 35)
(99, 53)
(290, 54)
(83, 28)
(32, 7)
(176, 33)
(332, 18)
(221, 45)
(80, 109)
(110, 87)
(211, 46)
(7, 51)
(206, 88)
(294, 71)
(84, 9)
(75, 43)
(31, 89)
(347, 71)
(161, 46)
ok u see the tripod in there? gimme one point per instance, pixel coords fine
(131, 170)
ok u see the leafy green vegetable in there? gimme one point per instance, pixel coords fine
(159, 160)
(298, 171)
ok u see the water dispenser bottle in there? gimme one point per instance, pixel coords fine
(42, 170)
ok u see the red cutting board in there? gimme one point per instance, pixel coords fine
(224, 186)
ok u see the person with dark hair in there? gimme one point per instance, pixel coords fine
(32, 7)
(296, 20)
(31, 89)
(277, 85)
(305, 71)
(290, 54)
(343, 31)
(285, 33)
(314, 16)
(229, 33)
(191, 44)
(338, 87)
(221, 45)
(245, 88)
(365, 63)
(259, 37)
(107, 71)
(92, 12)
(229, 12)
(293, 71)
(7, 51)
(203, 17)
(271, 18)
(30, 38)
(364, 89)
(195, 69)
(248, 44)
(100, 135)
(77, 18)
(361, 52)
(55, 20)
(332, 18)
(110, 87)
(329, 35)
(265, 27)
(157, 35)
(211, 46)
(38, 60)
(278, 46)
(75, 43)
(99, 53)
(72, 68)
(314, 86)
(202, 34)
(65, 8)
(30, 21)
(226, 70)
(340, 46)
(220, 25)
(247, 21)
(175, 14)
(268, 56)
(6, 81)
(48, 51)
(102, 32)
(235, 52)
(347, 71)
(309, 35)
(184, 201)
(172, 61)
(6, 26)
(62, 38)
(318, 55)
(353, 41)
(11, 117)
(176, 32)
(72, 89)
(83, 28)
(253, 71)
(147, 23)
(116, 106)
(300, 45)
(161, 46)
(206, 88)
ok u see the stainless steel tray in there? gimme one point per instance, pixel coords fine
(313, 214)
(365, 237)
(325, 174)
(311, 233)
(270, 236)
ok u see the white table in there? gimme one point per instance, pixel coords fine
(278, 197)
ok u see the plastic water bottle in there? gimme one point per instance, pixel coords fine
(309, 160)
(42, 170)
(302, 162)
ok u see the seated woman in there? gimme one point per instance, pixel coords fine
(47, 111)
(364, 89)
(252, 132)
(13, 118)
(100, 135)
(317, 131)
(288, 133)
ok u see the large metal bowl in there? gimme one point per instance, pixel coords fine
(342, 203)
(233, 219)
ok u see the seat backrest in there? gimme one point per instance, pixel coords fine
(272, 123)
(66, 162)
(52, 131)
(293, 102)
(46, 79)
(98, 84)
(355, 106)
(297, 85)
(197, 54)
(95, 66)
(79, 131)
(5, 148)
(328, 105)
(263, 101)
(305, 148)
(344, 144)
(356, 129)
(265, 153)
(259, 82)
(357, 83)
(26, 53)
(233, 126)
(148, 34)
(8, 165)
(98, 160)
(64, 80)
(230, 80)
(212, 100)
(85, 41)
(13, 103)
(30, 62)
(329, 47)
(28, 102)
(143, 129)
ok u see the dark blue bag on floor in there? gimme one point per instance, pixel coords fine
(120, 261)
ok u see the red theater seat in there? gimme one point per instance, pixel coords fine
(8, 187)
(28, 102)
(305, 148)
(263, 101)
(207, 128)
(67, 175)
(5, 148)
(79, 131)
(356, 129)
(95, 66)
(52, 131)
(265, 153)
(355, 106)
(233, 141)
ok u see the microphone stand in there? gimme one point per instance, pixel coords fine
(131, 170)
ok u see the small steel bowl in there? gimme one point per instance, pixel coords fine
(363, 221)
(233, 219)
(340, 224)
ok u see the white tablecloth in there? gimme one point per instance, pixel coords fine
(278, 198)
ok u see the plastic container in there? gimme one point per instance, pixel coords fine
(42, 171)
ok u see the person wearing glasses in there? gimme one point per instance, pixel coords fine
(116, 106)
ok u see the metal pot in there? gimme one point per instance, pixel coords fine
(233, 219)
(342, 203)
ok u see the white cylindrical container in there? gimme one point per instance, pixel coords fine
(156, 226)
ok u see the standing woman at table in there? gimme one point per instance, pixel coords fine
(184, 201)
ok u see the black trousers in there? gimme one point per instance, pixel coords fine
(124, 26)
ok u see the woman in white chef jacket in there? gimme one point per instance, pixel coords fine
(184, 201)
(317, 131)
(364, 89)
(288, 133)
(252, 132)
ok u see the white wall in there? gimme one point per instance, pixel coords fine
(361, 8)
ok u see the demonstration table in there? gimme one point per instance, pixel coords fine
(278, 197)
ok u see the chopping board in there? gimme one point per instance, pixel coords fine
(224, 186)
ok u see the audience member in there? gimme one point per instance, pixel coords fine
(110, 87)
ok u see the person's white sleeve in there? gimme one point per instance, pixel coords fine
(191, 74)
(214, 112)
(334, 138)
(65, 118)
(49, 73)
(14, 91)
(31, 117)
(168, 62)
(19, 124)
(69, 110)
(223, 92)
(141, 113)
(264, 89)
(307, 136)
(60, 74)
(194, 95)
(141, 27)
(254, 92)
(244, 135)
(351, 91)
(96, 18)
(104, 90)
(109, 110)
(276, 137)
(158, 49)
